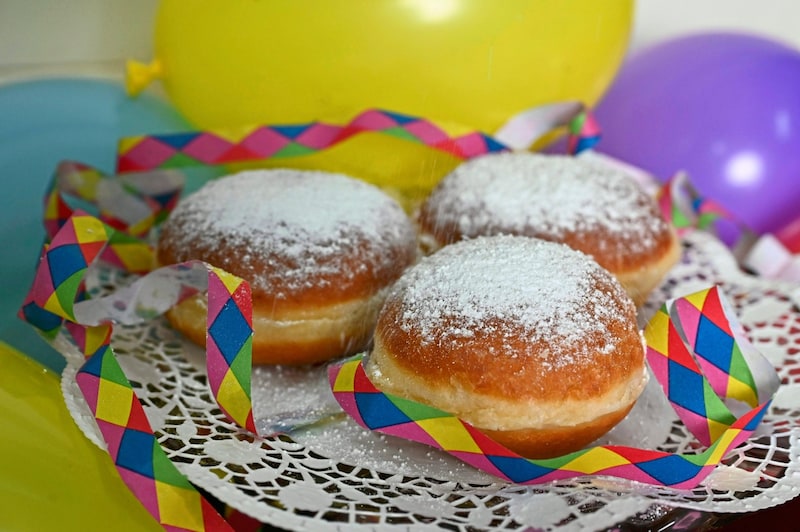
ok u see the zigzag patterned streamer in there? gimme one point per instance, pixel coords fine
(683, 205)
(584, 132)
(692, 397)
(54, 302)
(698, 336)
(141, 462)
(524, 129)
(267, 142)
(229, 345)
(762, 254)
(684, 383)
(132, 203)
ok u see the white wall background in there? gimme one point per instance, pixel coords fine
(58, 33)
(79, 36)
(657, 20)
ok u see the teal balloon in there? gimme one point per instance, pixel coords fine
(44, 122)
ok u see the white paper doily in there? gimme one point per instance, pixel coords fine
(334, 475)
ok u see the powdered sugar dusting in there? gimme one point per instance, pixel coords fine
(504, 284)
(302, 222)
(545, 195)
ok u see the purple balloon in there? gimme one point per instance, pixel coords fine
(723, 107)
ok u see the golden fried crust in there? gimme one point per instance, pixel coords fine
(365, 274)
(532, 377)
(641, 280)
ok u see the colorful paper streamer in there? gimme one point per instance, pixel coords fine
(769, 258)
(584, 132)
(132, 203)
(150, 152)
(523, 130)
(764, 255)
(686, 208)
(697, 321)
(56, 301)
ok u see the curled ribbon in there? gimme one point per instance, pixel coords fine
(133, 203)
(522, 130)
(215, 147)
(56, 301)
(765, 255)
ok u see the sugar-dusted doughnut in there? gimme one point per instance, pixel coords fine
(529, 341)
(590, 207)
(318, 249)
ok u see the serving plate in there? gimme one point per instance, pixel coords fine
(321, 471)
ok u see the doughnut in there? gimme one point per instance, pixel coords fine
(529, 341)
(318, 249)
(588, 206)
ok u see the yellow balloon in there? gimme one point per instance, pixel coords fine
(53, 477)
(470, 62)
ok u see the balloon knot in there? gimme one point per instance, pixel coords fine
(139, 75)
